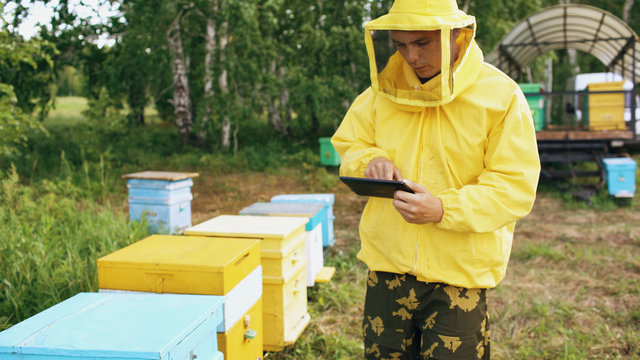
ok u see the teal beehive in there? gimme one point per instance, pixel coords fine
(620, 176)
(536, 103)
(119, 326)
(163, 198)
(327, 200)
(328, 154)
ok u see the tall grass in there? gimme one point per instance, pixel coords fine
(51, 239)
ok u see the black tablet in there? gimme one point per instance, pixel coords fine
(375, 187)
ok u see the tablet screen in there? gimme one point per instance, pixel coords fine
(374, 187)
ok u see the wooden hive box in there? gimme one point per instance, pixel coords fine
(118, 325)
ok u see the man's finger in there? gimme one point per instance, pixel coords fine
(417, 188)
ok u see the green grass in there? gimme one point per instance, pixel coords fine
(51, 241)
(67, 110)
(572, 289)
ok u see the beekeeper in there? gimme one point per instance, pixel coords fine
(459, 132)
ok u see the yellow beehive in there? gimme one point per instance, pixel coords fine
(313, 243)
(281, 263)
(229, 267)
(244, 341)
(179, 264)
(606, 111)
(275, 232)
(285, 309)
(284, 261)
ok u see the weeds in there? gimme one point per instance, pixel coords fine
(51, 240)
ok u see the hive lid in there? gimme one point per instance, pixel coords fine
(273, 227)
(282, 209)
(161, 175)
(103, 325)
(175, 252)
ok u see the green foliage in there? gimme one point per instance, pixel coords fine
(14, 124)
(27, 66)
(51, 241)
(294, 65)
(70, 82)
(25, 72)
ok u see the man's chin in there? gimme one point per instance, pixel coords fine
(426, 75)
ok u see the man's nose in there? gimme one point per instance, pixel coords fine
(412, 54)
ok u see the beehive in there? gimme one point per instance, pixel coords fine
(313, 242)
(282, 246)
(163, 198)
(620, 176)
(119, 325)
(327, 200)
(606, 110)
(229, 267)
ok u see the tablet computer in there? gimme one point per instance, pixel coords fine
(375, 187)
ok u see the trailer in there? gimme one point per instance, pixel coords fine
(594, 124)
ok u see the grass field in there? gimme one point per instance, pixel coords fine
(572, 289)
(67, 109)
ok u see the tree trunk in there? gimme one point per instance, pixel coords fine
(465, 6)
(224, 87)
(284, 101)
(274, 113)
(210, 48)
(181, 91)
(626, 15)
(137, 98)
(548, 70)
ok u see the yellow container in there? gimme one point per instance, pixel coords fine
(276, 233)
(285, 309)
(606, 111)
(180, 264)
(244, 341)
(284, 282)
(281, 263)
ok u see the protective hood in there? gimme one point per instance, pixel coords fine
(418, 51)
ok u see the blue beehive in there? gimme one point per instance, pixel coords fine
(621, 179)
(119, 326)
(327, 200)
(163, 198)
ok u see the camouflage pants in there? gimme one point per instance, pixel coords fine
(409, 319)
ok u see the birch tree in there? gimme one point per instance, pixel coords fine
(181, 89)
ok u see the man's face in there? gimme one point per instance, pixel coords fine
(421, 50)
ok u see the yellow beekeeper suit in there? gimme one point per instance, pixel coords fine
(467, 135)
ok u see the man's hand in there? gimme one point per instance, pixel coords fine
(419, 208)
(383, 169)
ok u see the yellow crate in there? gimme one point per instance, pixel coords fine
(240, 342)
(285, 309)
(276, 233)
(180, 264)
(283, 263)
(606, 111)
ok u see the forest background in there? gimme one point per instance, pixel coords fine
(240, 91)
(221, 71)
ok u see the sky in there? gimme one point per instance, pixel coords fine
(40, 14)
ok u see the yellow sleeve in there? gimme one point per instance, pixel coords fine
(505, 190)
(355, 138)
